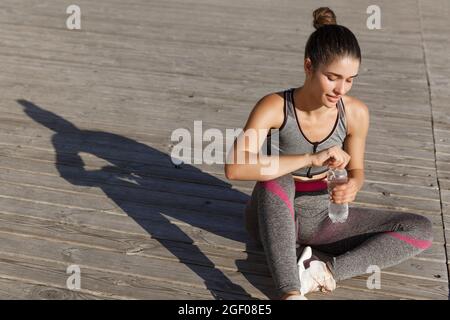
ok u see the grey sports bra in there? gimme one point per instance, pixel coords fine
(290, 139)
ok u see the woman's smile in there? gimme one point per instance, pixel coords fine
(332, 98)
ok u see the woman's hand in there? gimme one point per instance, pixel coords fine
(333, 157)
(345, 193)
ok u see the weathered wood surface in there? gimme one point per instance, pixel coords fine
(85, 126)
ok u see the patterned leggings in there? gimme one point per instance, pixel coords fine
(283, 217)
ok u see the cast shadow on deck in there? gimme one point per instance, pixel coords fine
(129, 176)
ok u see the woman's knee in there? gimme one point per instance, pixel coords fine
(419, 229)
(425, 227)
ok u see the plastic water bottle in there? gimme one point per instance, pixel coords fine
(337, 212)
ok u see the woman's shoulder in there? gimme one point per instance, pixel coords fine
(356, 111)
(354, 104)
(276, 99)
(270, 107)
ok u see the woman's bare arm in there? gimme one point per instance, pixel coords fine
(267, 113)
(355, 143)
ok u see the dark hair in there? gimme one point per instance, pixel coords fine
(330, 40)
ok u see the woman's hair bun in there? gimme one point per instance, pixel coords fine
(323, 16)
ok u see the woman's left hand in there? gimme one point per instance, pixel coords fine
(345, 193)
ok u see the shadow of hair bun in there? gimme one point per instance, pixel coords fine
(323, 16)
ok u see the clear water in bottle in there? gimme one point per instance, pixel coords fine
(337, 212)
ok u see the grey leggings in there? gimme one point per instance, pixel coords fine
(284, 220)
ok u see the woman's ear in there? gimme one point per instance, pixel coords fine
(308, 67)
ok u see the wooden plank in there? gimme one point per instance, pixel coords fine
(208, 119)
(445, 196)
(443, 182)
(13, 225)
(105, 285)
(143, 243)
(137, 253)
(189, 46)
(152, 244)
(116, 199)
(402, 286)
(165, 223)
(351, 293)
(77, 180)
(372, 142)
(20, 289)
(26, 127)
(19, 170)
(237, 110)
(211, 35)
(438, 89)
(158, 269)
(378, 176)
(128, 154)
(56, 192)
(400, 159)
(443, 166)
(142, 172)
(155, 80)
(398, 203)
(385, 171)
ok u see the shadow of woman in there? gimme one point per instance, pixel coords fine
(145, 184)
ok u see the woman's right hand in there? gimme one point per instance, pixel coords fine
(333, 157)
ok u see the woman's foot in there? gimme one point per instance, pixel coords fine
(293, 295)
(317, 277)
(296, 297)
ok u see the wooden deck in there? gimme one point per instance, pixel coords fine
(85, 125)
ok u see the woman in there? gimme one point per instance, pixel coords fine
(319, 126)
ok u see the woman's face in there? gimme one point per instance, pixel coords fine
(331, 82)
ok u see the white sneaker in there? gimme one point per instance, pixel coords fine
(306, 254)
(307, 283)
(316, 277)
(320, 273)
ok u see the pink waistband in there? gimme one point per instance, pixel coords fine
(308, 186)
